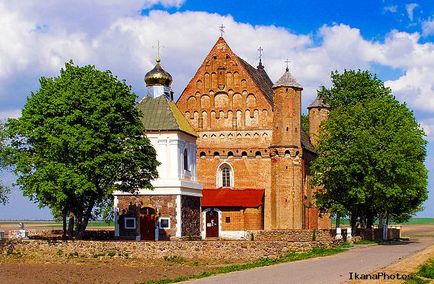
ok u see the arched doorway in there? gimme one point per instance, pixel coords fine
(212, 224)
(147, 223)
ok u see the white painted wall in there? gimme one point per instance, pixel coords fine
(170, 148)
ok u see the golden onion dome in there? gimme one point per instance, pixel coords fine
(158, 76)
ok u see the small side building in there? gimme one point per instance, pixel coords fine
(229, 213)
(173, 208)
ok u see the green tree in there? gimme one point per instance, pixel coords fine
(4, 191)
(79, 139)
(371, 152)
(305, 122)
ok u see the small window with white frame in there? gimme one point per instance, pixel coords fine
(225, 177)
(130, 223)
(164, 223)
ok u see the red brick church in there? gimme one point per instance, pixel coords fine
(253, 155)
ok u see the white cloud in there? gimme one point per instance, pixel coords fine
(4, 115)
(410, 10)
(123, 41)
(428, 127)
(89, 17)
(391, 9)
(428, 27)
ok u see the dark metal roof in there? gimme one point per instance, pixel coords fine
(305, 142)
(266, 85)
(161, 114)
(287, 80)
(318, 102)
(261, 79)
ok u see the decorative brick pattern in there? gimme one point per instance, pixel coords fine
(242, 121)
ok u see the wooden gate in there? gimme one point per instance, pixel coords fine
(212, 224)
(147, 224)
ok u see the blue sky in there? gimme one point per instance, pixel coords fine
(394, 39)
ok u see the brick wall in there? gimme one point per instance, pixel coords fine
(253, 219)
(236, 219)
(241, 219)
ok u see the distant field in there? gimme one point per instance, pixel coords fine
(420, 221)
(412, 221)
(99, 223)
(54, 223)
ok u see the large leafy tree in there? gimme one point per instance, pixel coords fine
(4, 191)
(80, 138)
(371, 152)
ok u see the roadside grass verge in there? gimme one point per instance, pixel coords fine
(424, 275)
(366, 242)
(411, 221)
(293, 256)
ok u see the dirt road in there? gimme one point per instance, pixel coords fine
(331, 269)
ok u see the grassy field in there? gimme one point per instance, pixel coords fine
(412, 221)
(100, 223)
(92, 224)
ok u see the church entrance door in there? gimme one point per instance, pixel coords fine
(147, 223)
(212, 224)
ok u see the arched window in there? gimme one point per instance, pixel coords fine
(225, 176)
(185, 160)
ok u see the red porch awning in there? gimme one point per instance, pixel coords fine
(224, 197)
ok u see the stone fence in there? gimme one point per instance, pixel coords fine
(376, 233)
(292, 235)
(221, 250)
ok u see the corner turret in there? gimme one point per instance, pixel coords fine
(318, 112)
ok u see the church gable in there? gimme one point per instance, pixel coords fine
(227, 93)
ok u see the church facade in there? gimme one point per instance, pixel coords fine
(253, 155)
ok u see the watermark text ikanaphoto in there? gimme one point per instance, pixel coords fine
(379, 276)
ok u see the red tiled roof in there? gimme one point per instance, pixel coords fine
(224, 197)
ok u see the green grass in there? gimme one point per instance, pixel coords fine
(316, 252)
(427, 270)
(412, 221)
(424, 275)
(419, 221)
(92, 224)
(366, 242)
